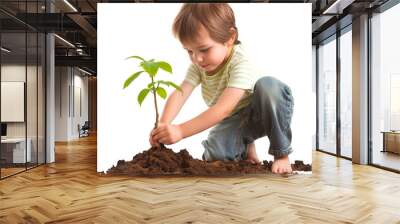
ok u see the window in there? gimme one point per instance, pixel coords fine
(346, 93)
(327, 96)
(385, 88)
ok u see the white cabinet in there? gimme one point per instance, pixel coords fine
(17, 145)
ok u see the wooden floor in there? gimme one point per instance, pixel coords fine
(388, 159)
(10, 171)
(70, 191)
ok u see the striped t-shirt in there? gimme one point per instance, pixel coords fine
(237, 72)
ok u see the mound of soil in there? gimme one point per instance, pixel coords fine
(165, 162)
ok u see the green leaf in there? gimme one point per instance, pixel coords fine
(150, 67)
(142, 95)
(129, 80)
(169, 83)
(165, 66)
(175, 86)
(161, 92)
(137, 57)
(163, 82)
(150, 85)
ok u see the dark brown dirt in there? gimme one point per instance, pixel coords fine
(165, 162)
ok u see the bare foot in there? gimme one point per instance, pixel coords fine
(252, 154)
(281, 165)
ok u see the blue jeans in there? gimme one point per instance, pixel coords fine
(268, 114)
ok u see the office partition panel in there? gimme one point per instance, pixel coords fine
(22, 76)
(15, 148)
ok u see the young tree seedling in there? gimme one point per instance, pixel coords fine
(151, 67)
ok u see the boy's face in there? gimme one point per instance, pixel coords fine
(206, 53)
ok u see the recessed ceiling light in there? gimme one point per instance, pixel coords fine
(338, 6)
(84, 71)
(64, 40)
(5, 50)
(70, 5)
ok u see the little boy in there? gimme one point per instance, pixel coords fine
(242, 106)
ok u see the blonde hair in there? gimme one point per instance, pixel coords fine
(217, 18)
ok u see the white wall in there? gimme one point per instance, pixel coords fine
(70, 83)
(15, 72)
(61, 103)
(82, 83)
(276, 36)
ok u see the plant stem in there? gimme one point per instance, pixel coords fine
(155, 105)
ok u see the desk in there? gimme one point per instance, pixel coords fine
(15, 148)
(391, 141)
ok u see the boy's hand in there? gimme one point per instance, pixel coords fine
(281, 165)
(166, 134)
(151, 141)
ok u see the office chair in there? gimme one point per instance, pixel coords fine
(84, 130)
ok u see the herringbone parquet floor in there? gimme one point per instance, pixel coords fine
(70, 191)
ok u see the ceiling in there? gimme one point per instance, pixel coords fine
(76, 22)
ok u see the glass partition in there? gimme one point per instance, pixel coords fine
(32, 95)
(41, 109)
(22, 77)
(13, 108)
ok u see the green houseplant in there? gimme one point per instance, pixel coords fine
(151, 67)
